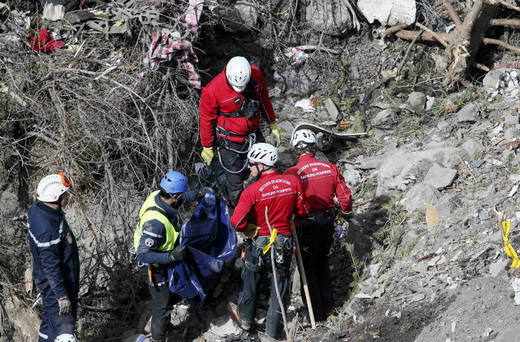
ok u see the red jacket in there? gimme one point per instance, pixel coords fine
(283, 197)
(321, 181)
(219, 97)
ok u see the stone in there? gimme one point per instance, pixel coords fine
(388, 12)
(468, 114)
(512, 133)
(492, 80)
(447, 205)
(440, 177)
(329, 16)
(352, 177)
(419, 195)
(368, 163)
(417, 101)
(286, 127)
(498, 267)
(430, 101)
(473, 148)
(332, 109)
(224, 326)
(386, 116)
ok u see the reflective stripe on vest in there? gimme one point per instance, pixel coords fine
(145, 214)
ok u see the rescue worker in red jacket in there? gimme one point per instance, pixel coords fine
(282, 196)
(231, 107)
(321, 182)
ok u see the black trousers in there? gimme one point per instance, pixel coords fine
(163, 301)
(255, 262)
(316, 237)
(233, 161)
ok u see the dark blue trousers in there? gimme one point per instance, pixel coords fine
(255, 261)
(53, 324)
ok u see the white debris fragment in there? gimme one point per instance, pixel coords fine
(306, 105)
(515, 283)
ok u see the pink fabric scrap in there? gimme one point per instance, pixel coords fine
(45, 42)
(163, 48)
(193, 14)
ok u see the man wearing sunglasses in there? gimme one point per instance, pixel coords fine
(281, 196)
(55, 259)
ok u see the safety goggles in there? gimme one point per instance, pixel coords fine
(64, 179)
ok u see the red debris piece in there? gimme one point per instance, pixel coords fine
(45, 42)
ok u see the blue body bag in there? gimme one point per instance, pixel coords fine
(211, 241)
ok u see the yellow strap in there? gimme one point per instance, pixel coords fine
(271, 241)
(510, 251)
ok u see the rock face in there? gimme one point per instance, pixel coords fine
(329, 16)
(399, 167)
(388, 12)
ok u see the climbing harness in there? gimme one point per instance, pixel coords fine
(251, 138)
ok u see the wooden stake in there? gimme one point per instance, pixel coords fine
(304, 278)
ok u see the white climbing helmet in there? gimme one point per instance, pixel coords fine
(238, 73)
(65, 338)
(303, 138)
(52, 187)
(263, 153)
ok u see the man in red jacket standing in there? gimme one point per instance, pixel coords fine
(321, 182)
(231, 106)
(282, 197)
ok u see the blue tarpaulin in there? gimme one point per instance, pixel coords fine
(211, 241)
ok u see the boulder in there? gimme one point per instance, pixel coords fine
(440, 177)
(329, 16)
(388, 12)
(417, 101)
(331, 109)
(403, 164)
(473, 148)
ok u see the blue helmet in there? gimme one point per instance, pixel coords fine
(174, 182)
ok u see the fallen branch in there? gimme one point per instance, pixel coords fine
(513, 23)
(318, 48)
(453, 15)
(490, 41)
(434, 34)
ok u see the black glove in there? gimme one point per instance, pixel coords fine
(65, 305)
(177, 255)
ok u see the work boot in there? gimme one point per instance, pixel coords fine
(233, 310)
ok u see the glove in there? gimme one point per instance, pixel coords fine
(251, 230)
(275, 132)
(177, 255)
(65, 306)
(207, 154)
